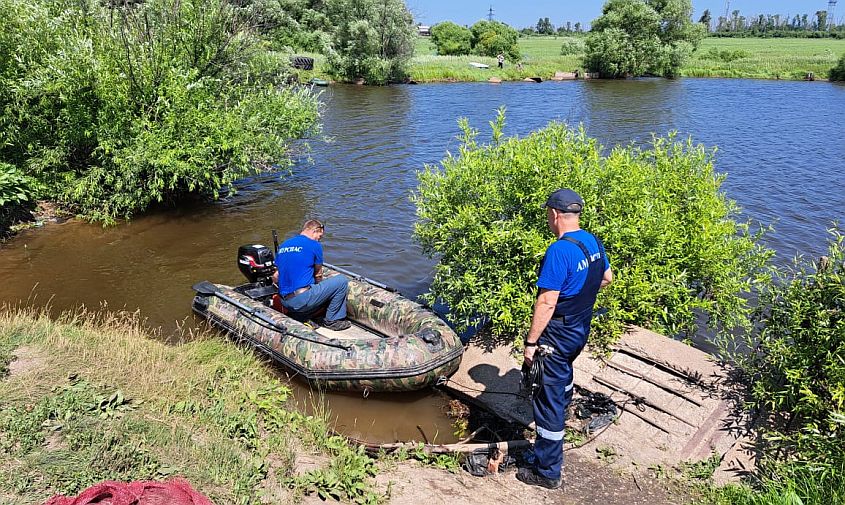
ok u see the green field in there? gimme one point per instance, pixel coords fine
(754, 58)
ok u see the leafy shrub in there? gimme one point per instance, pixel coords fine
(15, 187)
(635, 37)
(373, 40)
(572, 46)
(142, 119)
(451, 39)
(837, 73)
(17, 193)
(726, 55)
(295, 24)
(797, 367)
(670, 233)
(489, 38)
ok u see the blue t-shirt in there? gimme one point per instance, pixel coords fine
(295, 261)
(564, 267)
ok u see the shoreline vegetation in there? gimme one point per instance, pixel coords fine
(719, 57)
(93, 396)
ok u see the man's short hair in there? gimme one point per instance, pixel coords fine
(313, 224)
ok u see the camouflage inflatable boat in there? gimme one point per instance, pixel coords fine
(394, 344)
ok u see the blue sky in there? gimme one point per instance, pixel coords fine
(524, 13)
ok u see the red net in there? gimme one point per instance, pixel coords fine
(172, 492)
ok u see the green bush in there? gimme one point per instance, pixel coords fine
(837, 73)
(142, 104)
(372, 39)
(489, 38)
(572, 46)
(726, 55)
(642, 37)
(669, 231)
(17, 194)
(15, 187)
(451, 39)
(797, 367)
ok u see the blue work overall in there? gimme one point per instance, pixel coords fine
(567, 333)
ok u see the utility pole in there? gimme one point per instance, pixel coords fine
(831, 19)
(727, 8)
(490, 13)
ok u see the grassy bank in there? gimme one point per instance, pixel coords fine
(91, 397)
(717, 57)
(765, 58)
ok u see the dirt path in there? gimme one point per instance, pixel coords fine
(588, 482)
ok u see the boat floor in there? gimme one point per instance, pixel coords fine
(355, 332)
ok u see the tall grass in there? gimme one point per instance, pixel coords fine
(766, 58)
(790, 486)
(97, 398)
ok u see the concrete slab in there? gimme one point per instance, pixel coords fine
(673, 397)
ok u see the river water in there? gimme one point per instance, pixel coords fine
(782, 145)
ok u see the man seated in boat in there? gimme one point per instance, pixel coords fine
(299, 275)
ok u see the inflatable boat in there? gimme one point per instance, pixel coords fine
(395, 344)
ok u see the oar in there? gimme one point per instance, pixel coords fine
(206, 288)
(359, 277)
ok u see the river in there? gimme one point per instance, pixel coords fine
(781, 144)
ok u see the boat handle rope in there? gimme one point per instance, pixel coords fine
(207, 288)
(281, 329)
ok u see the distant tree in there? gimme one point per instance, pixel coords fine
(490, 38)
(545, 27)
(373, 39)
(568, 26)
(451, 39)
(578, 27)
(821, 20)
(705, 19)
(639, 37)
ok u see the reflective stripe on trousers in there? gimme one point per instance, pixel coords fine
(550, 403)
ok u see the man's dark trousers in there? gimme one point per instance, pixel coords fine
(567, 338)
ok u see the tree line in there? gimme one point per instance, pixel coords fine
(819, 25)
(544, 26)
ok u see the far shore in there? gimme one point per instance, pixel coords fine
(734, 58)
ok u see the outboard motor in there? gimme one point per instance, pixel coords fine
(256, 262)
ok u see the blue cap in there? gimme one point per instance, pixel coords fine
(565, 200)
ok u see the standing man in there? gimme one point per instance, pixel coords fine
(299, 274)
(500, 58)
(573, 270)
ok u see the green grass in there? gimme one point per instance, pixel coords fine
(792, 485)
(766, 59)
(94, 398)
(541, 58)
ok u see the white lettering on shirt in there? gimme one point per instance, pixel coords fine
(283, 250)
(586, 264)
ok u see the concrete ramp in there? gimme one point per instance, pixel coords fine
(674, 399)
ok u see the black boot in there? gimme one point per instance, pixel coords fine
(532, 478)
(337, 324)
